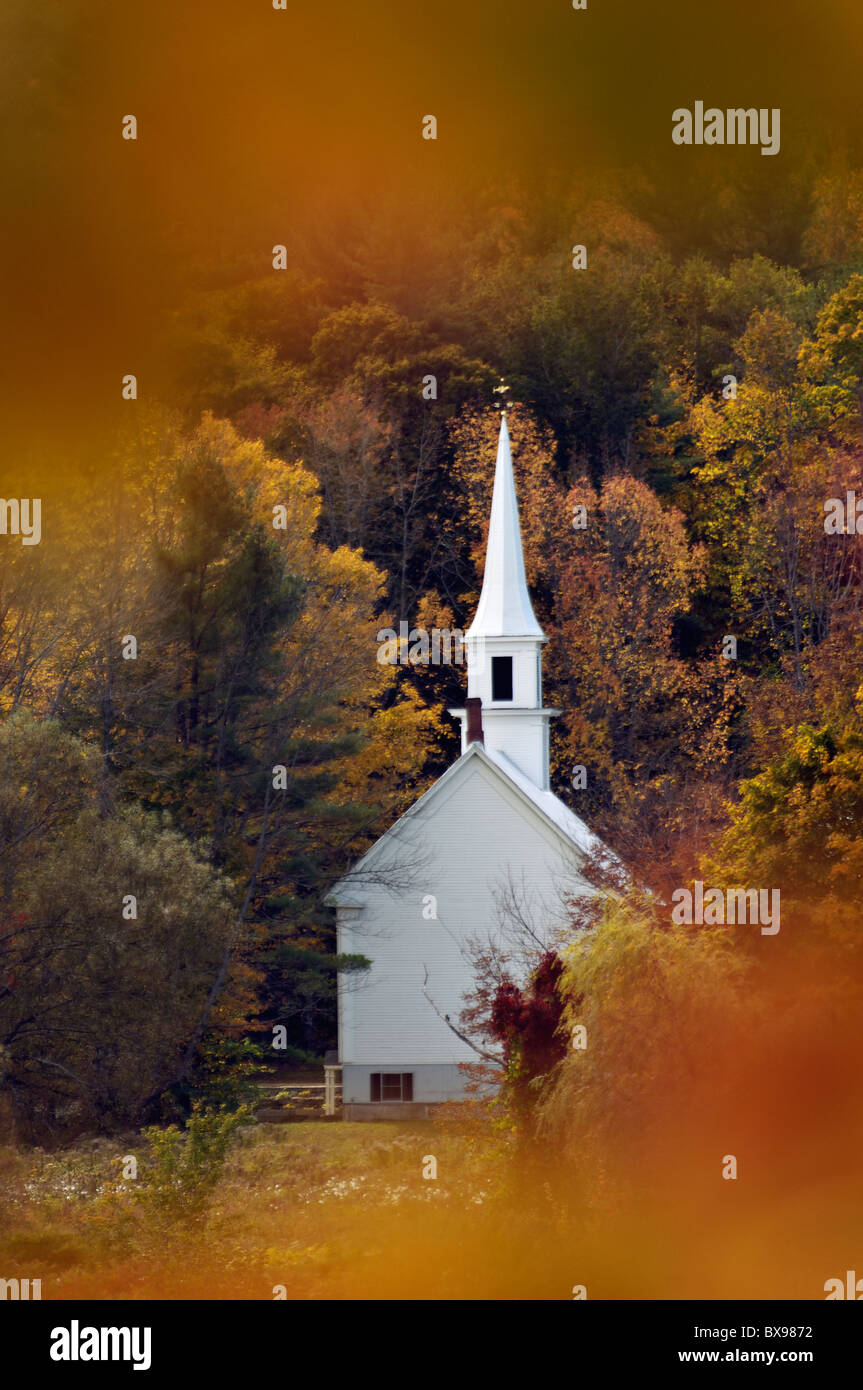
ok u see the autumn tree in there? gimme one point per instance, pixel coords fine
(798, 824)
(527, 1024)
(250, 703)
(111, 927)
(649, 728)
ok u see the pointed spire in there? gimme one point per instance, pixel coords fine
(505, 609)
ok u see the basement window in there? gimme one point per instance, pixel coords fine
(501, 678)
(392, 1085)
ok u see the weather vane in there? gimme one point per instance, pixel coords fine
(503, 391)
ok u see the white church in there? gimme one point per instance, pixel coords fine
(488, 835)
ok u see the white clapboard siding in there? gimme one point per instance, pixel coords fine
(475, 830)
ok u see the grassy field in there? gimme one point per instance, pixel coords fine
(323, 1210)
(343, 1211)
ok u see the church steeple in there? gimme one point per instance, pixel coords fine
(504, 642)
(505, 609)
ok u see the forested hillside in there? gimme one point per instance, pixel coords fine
(313, 463)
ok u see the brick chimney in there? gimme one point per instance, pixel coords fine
(473, 705)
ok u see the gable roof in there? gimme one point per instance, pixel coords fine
(556, 816)
(551, 807)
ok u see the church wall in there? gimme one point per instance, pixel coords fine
(472, 832)
(431, 1084)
